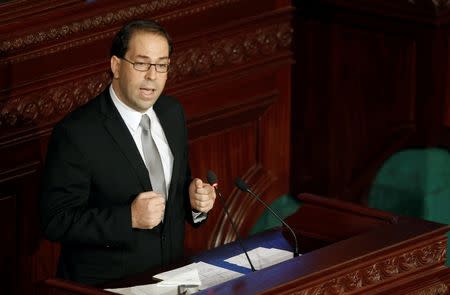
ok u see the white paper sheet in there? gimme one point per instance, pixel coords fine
(150, 289)
(206, 275)
(210, 275)
(261, 257)
(189, 277)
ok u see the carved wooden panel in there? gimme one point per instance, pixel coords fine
(371, 277)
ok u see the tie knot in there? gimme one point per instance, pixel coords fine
(145, 122)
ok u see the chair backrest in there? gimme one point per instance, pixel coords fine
(414, 182)
(284, 205)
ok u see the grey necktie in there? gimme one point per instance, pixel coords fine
(152, 157)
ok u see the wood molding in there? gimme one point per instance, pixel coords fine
(367, 275)
(233, 116)
(240, 49)
(26, 169)
(113, 17)
(40, 107)
(436, 289)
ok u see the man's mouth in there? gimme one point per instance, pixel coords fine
(147, 90)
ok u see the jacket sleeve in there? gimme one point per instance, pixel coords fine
(64, 202)
(192, 217)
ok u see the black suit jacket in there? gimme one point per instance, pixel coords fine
(92, 174)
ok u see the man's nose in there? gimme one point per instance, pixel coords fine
(151, 73)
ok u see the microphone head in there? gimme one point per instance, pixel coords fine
(211, 178)
(241, 185)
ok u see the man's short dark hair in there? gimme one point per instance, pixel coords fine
(120, 42)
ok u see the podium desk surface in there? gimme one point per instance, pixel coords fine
(391, 255)
(373, 253)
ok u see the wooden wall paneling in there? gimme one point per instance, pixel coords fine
(8, 228)
(249, 140)
(432, 75)
(231, 70)
(237, 118)
(371, 102)
(309, 105)
(446, 109)
(368, 83)
(20, 221)
(447, 88)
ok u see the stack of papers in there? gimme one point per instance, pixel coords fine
(202, 275)
(209, 275)
(150, 289)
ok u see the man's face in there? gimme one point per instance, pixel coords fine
(140, 90)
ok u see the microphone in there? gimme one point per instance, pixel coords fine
(212, 180)
(246, 189)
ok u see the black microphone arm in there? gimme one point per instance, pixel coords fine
(246, 189)
(212, 180)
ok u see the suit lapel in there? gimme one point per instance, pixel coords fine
(116, 127)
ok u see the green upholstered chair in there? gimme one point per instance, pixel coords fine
(414, 182)
(283, 206)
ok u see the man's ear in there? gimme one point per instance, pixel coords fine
(115, 64)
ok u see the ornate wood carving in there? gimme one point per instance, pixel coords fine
(236, 50)
(107, 20)
(388, 269)
(436, 289)
(49, 104)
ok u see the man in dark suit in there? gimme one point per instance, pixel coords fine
(101, 197)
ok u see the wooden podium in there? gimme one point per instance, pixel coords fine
(346, 249)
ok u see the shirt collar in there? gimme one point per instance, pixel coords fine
(131, 117)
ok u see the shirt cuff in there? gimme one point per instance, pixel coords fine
(198, 216)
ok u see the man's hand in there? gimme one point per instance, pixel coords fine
(147, 210)
(202, 195)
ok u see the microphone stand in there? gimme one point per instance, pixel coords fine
(212, 180)
(245, 188)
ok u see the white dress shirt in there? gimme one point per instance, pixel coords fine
(132, 119)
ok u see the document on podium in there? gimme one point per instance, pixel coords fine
(202, 275)
(209, 274)
(261, 257)
(196, 276)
